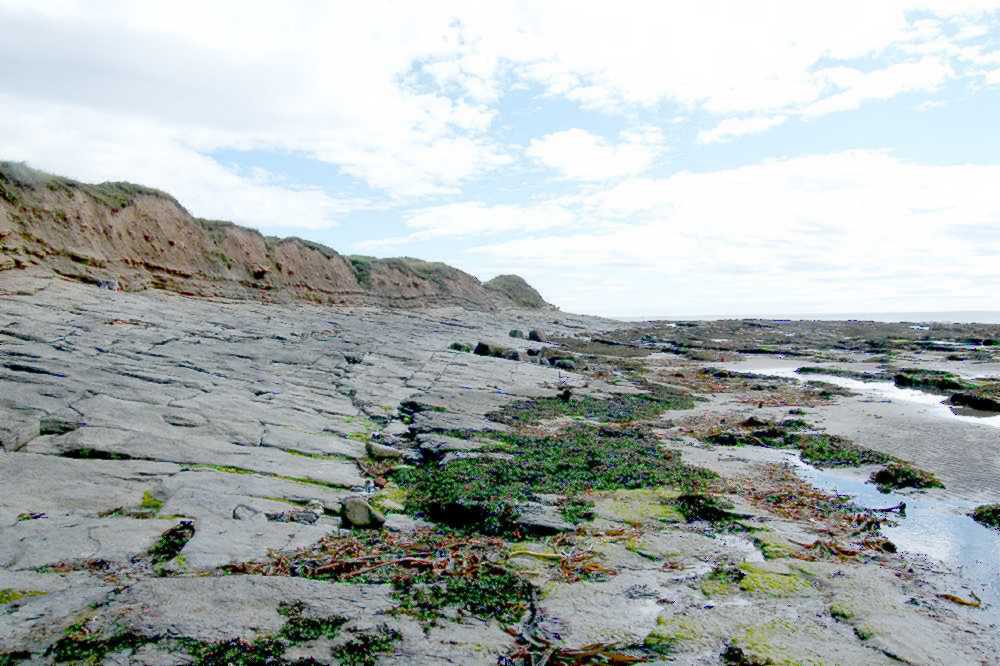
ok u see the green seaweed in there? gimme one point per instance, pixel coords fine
(482, 493)
(903, 475)
(987, 514)
(9, 595)
(150, 501)
(618, 409)
(931, 380)
(501, 596)
(363, 649)
(171, 542)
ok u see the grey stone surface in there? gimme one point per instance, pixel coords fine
(230, 412)
(538, 518)
(30, 544)
(381, 451)
(220, 608)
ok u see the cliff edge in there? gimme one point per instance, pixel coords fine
(132, 237)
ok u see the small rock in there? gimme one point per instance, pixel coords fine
(382, 451)
(359, 513)
(304, 517)
(244, 512)
(536, 336)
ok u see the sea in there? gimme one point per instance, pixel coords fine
(954, 317)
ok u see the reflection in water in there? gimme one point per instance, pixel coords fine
(889, 391)
(933, 526)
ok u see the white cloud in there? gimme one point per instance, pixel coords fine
(475, 219)
(408, 97)
(859, 87)
(327, 82)
(843, 232)
(579, 155)
(731, 128)
(145, 153)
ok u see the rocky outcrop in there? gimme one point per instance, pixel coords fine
(517, 290)
(130, 237)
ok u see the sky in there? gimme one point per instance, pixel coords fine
(626, 158)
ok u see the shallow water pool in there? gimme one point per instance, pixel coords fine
(934, 526)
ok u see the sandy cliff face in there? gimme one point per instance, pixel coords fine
(139, 238)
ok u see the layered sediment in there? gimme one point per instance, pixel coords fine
(132, 237)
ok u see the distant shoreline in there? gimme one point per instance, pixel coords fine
(958, 317)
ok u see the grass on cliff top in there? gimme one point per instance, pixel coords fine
(617, 409)
(19, 176)
(481, 494)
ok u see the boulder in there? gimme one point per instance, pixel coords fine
(359, 513)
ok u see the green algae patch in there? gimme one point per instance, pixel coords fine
(818, 449)
(699, 506)
(82, 644)
(841, 372)
(833, 451)
(721, 581)
(903, 475)
(365, 648)
(9, 595)
(482, 493)
(987, 514)
(171, 543)
(669, 633)
(725, 580)
(932, 380)
(841, 613)
(773, 548)
(576, 509)
(757, 646)
(301, 629)
(392, 495)
(151, 502)
(617, 409)
(12, 658)
(759, 580)
(864, 632)
(502, 596)
(640, 505)
(985, 397)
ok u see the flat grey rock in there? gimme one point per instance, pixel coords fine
(221, 608)
(31, 544)
(537, 518)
